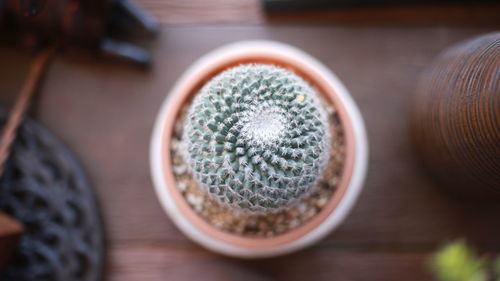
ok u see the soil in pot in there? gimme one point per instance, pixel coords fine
(258, 225)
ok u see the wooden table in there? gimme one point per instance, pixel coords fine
(174, 12)
(105, 112)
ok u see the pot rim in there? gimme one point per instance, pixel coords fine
(332, 89)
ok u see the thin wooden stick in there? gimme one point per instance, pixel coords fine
(37, 69)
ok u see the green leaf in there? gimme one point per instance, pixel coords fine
(496, 268)
(456, 261)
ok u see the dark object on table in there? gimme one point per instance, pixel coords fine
(10, 230)
(96, 26)
(456, 126)
(44, 188)
(321, 4)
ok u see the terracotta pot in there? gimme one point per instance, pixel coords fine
(334, 92)
(456, 124)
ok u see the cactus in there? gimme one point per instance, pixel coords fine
(257, 138)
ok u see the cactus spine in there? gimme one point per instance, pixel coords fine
(257, 138)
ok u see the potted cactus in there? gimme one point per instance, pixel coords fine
(258, 151)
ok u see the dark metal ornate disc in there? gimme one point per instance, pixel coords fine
(44, 187)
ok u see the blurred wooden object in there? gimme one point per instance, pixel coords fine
(10, 231)
(456, 127)
(85, 26)
(16, 116)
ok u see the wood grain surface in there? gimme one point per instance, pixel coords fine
(175, 12)
(179, 263)
(203, 11)
(105, 112)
